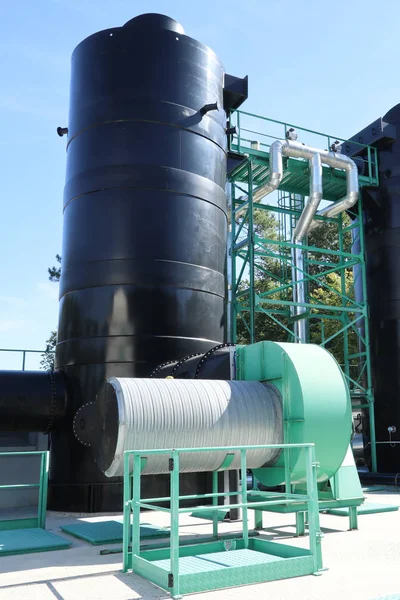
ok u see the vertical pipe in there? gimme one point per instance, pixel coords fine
(232, 260)
(23, 360)
(137, 463)
(127, 514)
(300, 232)
(229, 282)
(215, 503)
(313, 509)
(174, 535)
(46, 465)
(40, 498)
(251, 254)
(243, 466)
(345, 318)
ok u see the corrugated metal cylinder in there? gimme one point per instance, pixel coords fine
(166, 413)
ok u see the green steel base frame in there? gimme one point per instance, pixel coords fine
(40, 520)
(220, 563)
(369, 508)
(261, 298)
(26, 535)
(26, 541)
(109, 532)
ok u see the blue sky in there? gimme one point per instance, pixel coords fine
(331, 67)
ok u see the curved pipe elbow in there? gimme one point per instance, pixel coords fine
(275, 175)
(352, 193)
(314, 199)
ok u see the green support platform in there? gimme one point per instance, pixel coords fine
(221, 563)
(26, 535)
(338, 322)
(25, 541)
(369, 508)
(109, 532)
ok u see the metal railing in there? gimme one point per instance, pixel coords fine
(256, 133)
(133, 503)
(40, 520)
(25, 352)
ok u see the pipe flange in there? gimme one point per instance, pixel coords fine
(208, 354)
(86, 424)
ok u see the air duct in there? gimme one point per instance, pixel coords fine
(315, 157)
(300, 232)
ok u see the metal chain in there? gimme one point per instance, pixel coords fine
(75, 420)
(52, 403)
(178, 364)
(159, 367)
(208, 354)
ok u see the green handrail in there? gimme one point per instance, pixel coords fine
(132, 555)
(40, 520)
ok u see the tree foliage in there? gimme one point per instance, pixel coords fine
(47, 358)
(271, 272)
(55, 272)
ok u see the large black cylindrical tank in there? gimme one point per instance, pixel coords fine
(382, 232)
(144, 236)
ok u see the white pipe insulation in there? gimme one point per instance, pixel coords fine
(300, 232)
(306, 222)
(147, 414)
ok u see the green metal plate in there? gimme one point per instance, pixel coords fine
(109, 532)
(204, 567)
(373, 488)
(217, 561)
(24, 541)
(208, 514)
(369, 508)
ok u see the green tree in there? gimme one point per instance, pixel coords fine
(271, 272)
(47, 358)
(55, 271)
(326, 236)
(267, 276)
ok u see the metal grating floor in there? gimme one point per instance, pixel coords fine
(208, 514)
(24, 541)
(368, 508)
(217, 561)
(109, 532)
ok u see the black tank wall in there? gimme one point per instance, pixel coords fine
(144, 236)
(32, 401)
(382, 227)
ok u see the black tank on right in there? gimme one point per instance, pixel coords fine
(382, 241)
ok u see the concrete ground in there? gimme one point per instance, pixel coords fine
(362, 565)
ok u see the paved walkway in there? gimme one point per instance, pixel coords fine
(362, 565)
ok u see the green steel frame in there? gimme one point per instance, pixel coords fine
(173, 570)
(252, 256)
(40, 520)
